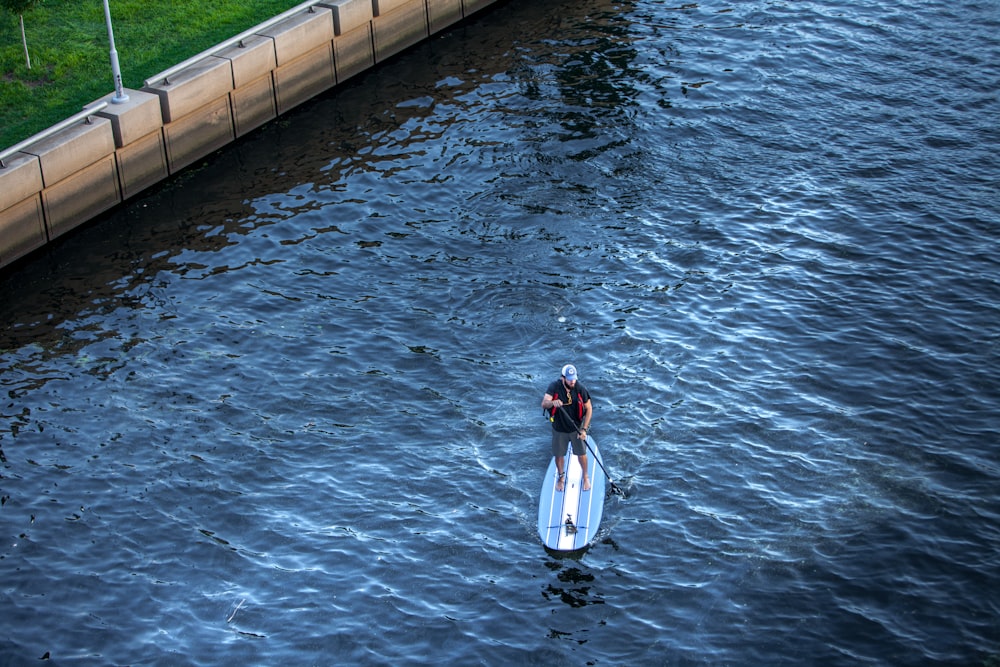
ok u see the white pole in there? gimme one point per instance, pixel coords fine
(116, 71)
(24, 40)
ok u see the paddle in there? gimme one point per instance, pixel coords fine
(614, 487)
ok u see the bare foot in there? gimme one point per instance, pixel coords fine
(586, 484)
(560, 481)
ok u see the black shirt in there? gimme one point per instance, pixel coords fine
(572, 405)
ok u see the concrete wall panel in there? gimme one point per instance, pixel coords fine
(253, 104)
(85, 194)
(251, 59)
(22, 229)
(76, 147)
(472, 6)
(198, 134)
(399, 29)
(349, 15)
(142, 163)
(19, 179)
(306, 77)
(443, 13)
(354, 52)
(381, 7)
(193, 88)
(301, 34)
(133, 119)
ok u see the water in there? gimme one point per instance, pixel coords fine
(285, 407)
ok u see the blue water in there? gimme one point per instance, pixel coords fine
(284, 408)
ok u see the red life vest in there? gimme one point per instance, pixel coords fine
(569, 397)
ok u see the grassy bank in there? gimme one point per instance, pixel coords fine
(68, 45)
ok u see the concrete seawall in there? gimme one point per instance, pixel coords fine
(114, 151)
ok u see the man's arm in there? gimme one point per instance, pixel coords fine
(548, 402)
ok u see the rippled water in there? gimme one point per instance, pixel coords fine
(285, 407)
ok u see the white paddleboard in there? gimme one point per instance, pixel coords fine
(568, 520)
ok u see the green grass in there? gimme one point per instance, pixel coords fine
(70, 62)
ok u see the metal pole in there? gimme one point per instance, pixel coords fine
(116, 71)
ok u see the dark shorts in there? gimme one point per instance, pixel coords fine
(560, 440)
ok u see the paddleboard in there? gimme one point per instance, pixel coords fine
(568, 520)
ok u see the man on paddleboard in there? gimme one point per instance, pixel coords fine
(567, 402)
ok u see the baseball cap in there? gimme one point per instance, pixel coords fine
(569, 372)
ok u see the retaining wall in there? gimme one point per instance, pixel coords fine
(78, 172)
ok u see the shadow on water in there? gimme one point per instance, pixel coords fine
(573, 585)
